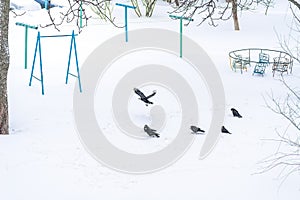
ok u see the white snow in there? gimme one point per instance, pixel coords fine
(28, 5)
(43, 157)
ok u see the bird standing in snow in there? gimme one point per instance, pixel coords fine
(150, 132)
(224, 130)
(236, 113)
(197, 130)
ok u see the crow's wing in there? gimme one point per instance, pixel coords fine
(224, 130)
(194, 129)
(138, 92)
(152, 130)
(151, 95)
(154, 134)
(236, 113)
(148, 129)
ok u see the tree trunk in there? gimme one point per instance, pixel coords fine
(4, 64)
(235, 16)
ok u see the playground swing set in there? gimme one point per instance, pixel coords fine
(38, 47)
(239, 59)
(38, 51)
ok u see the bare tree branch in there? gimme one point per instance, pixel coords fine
(213, 11)
(295, 3)
(17, 14)
(76, 11)
(287, 156)
(291, 43)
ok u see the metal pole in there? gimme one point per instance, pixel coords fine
(126, 21)
(26, 39)
(46, 4)
(181, 38)
(180, 29)
(26, 44)
(126, 27)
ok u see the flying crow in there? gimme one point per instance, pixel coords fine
(143, 97)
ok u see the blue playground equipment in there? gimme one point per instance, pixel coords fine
(26, 39)
(260, 67)
(46, 4)
(242, 59)
(80, 14)
(240, 63)
(181, 18)
(38, 50)
(126, 24)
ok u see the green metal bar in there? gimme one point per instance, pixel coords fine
(46, 4)
(181, 18)
(127, 6)
(52, 36)
(181, 38)
(126, 23)
(26, 39)
(26, 44)
(26, 25)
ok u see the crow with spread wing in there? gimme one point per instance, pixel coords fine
(143, 97)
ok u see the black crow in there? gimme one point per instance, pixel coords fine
(150, 132)
(196, 129)
(143, 97)
(224, 130)
(236, 113)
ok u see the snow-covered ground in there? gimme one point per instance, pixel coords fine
(43, 157)
(28, 5)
